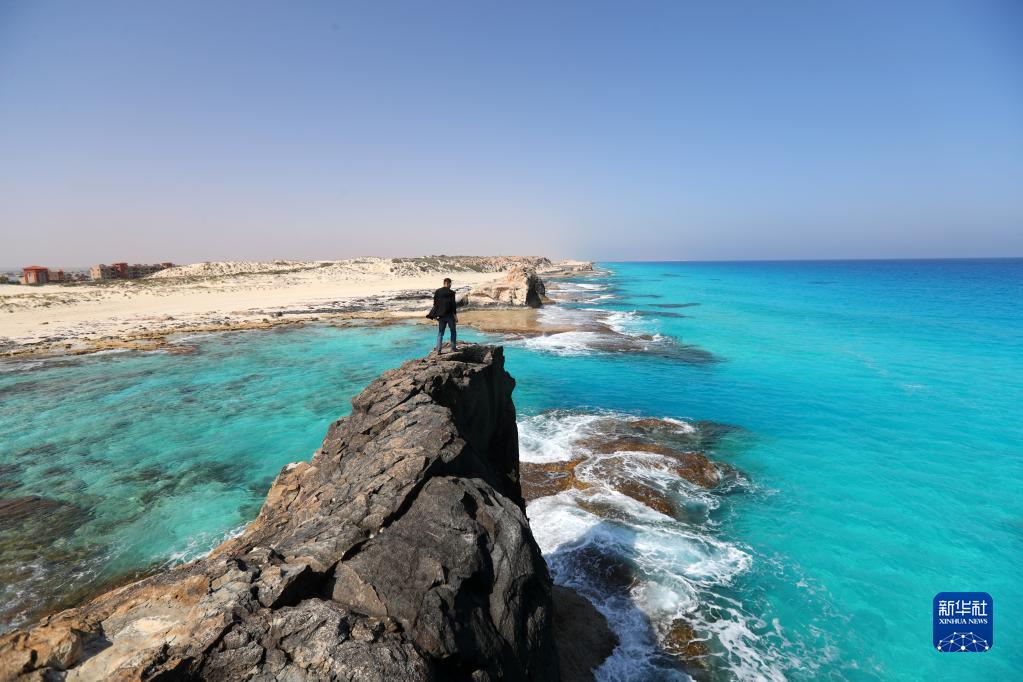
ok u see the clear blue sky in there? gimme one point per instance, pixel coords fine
(192, 131)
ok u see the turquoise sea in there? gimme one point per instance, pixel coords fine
(874, 415)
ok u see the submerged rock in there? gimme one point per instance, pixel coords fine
(610, 341)
(682, 642)
(691, 466)
(400, 552)
(640, 458)
(696, 436)
(39, 556)
(646, 494)
(549, 478)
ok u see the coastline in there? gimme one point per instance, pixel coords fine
(100, 439)
(310, 586)
(146, 314)
(598, 489)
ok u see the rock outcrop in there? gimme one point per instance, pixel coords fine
(520, 287)
(400, 552)
(583, 636)
(640, 458)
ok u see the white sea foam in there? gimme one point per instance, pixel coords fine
(188, 338)
(19, 365)
(653, 470)
(201, 544)
(565, 343)
(557, 520)
(549, 437)
(681, 570)
(624, 322)
(683, 426)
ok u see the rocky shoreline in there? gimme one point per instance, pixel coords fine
(400, 552)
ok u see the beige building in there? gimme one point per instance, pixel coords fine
(125, 271)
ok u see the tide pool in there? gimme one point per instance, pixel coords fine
(876, 409)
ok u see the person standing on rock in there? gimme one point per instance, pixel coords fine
(444, 312)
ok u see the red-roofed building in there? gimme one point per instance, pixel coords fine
(35, 274)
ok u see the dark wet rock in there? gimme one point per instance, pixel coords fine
(602, 507)
(700, 435)
(691, 466)
(682, 642)
(400, 552)
(582, 633)
(696, 468)
(655, 425)
(549, 478)
(645, 494)
(616, 473)
(600, 568)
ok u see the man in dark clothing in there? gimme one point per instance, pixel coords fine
(444, 312)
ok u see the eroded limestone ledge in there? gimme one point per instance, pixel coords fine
(400, 552)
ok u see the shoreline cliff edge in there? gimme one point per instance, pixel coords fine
(401, 551)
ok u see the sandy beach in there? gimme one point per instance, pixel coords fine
(90, 316)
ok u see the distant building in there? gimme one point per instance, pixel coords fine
(100, 272)
(125, 271)
(36, 274)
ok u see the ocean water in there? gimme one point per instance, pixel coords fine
(870, 413)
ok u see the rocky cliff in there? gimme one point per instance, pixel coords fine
(400, 552)
(521, 286)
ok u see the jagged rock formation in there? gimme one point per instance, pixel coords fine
(609, 453)
(520, 287)
(400, 552)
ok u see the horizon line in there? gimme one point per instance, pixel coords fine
(811, 260)
(626, 260)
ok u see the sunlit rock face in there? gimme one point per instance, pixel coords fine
(400, 552)
(520, 287)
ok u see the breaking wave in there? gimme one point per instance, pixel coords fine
(648, 572)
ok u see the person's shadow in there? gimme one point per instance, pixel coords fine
(601, 566)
